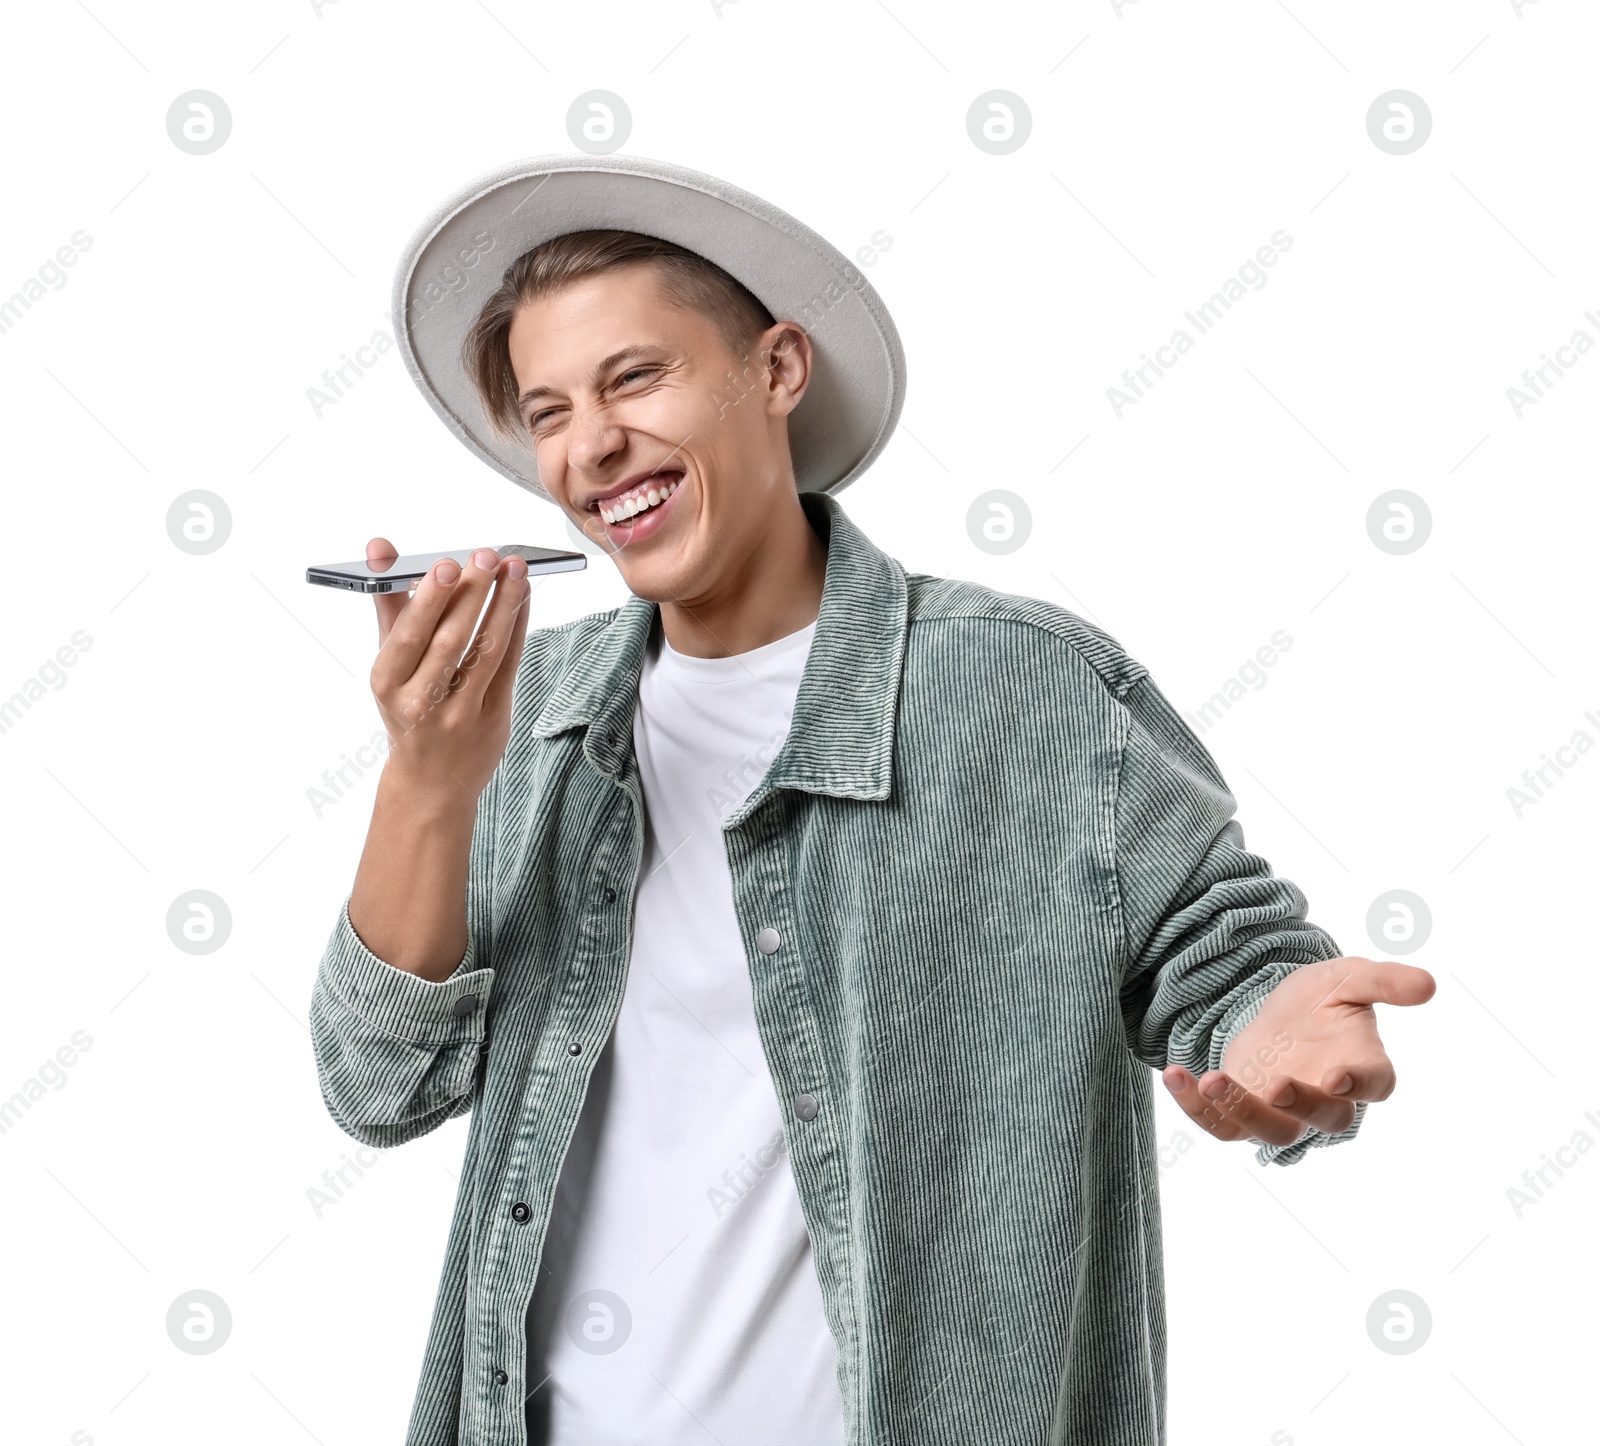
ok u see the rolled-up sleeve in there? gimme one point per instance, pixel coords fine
(1208, 930)
(397, 1055)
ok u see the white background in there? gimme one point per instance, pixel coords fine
(1167, 144)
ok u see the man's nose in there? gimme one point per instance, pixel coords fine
(592, 437)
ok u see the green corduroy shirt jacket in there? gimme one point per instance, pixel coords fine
(1007, 886)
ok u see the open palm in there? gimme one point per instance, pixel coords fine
(1309, 1056)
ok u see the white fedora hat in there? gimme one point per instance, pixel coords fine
(457, 257)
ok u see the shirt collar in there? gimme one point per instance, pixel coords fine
(841, 737)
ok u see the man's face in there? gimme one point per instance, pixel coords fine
(635, 395)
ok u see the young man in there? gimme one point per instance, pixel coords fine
(802, 933)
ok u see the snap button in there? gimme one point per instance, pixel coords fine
(576, 1047)
(768, 939)
(610, 895)
(500, 1378)
(464, 1006)
(520, 1213)
(805, 1106)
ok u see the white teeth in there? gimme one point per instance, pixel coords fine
(638, 502)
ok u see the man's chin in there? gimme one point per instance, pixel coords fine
(657, 580)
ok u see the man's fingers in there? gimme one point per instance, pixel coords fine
(436, 626)
(1285, 1106)
(1224, 1120)
(389, 604)
(1368, 1079)
(1235, 1113)
(510, 613)
(499, 636)
(1312, 1106)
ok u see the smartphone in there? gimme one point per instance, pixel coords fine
(405, 572)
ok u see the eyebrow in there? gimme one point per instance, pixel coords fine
(627, 353)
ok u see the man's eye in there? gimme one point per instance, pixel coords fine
(537, 417)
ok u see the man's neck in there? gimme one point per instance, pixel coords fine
(776, 592)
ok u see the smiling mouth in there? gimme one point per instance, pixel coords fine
(652, 492)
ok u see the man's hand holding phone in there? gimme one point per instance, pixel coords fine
(447, 705)
(443, 683)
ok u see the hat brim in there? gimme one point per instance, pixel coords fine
(457, 257)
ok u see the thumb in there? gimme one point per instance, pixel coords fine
(1382, 981)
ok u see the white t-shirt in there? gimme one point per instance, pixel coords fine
(682, 1304)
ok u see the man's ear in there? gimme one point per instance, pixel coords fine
(787, 358)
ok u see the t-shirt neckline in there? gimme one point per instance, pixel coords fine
(746, 665)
